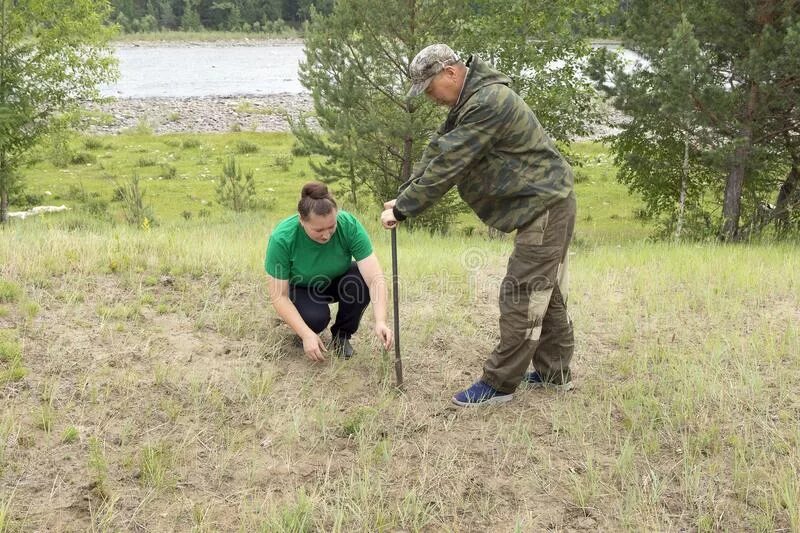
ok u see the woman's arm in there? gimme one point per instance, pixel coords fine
(279, 295)
(371, 271)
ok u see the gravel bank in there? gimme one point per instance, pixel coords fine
(231, 113)
(200, 115)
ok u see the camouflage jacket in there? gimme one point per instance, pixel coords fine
(492, 147)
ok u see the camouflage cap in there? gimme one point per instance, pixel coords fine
(427, 64)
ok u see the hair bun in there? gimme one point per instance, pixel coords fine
(315, 190)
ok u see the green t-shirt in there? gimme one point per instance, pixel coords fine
(293, 256)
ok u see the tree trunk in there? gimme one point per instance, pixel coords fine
(5, 178)
(787, 196)
(3, 206)
(684, 181)
(353, 183)
(405, 170)
(5, 185)
(732, 203)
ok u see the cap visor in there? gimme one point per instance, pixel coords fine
(419, 87)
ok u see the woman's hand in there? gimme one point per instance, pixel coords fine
(314, 348)
(384, 334)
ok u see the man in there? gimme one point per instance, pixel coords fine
(493, 149)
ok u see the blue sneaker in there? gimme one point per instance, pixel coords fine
(534, 381)
(481, 393)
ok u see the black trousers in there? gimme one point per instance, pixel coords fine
(349, 289)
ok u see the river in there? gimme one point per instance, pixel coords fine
(206, 70)
(198, 70)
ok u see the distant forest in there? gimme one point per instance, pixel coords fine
(273, 16)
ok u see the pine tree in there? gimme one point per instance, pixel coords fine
(236, 189)
(659, 152)
(746, 109)
(541, 45)
(190, 20)
(356, 68)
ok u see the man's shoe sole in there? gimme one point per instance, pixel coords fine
(494, 399)
(564, 387)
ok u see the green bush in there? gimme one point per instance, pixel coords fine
(83, 158)
(92, 144)
(299, 150)
(97, 207)
(246, 147)
(283, 161)
(25, 200)
(60, 152)
(169, 172)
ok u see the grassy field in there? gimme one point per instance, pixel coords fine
(146, 385)
(179, 174)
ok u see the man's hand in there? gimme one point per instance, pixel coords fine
(387, 217)
(388, 220)
(314, 348)
(384, 334)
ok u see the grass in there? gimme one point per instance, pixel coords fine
(9, 292)
(11, 369)
(98, 469)
(5, 512)
(177, 172)
(154, 464)
(159, 347)
(70, 435)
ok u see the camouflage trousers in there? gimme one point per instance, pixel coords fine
(534, 323)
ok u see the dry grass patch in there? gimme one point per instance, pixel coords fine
(161, 395)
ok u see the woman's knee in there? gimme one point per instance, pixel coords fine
(317, 318)
(353, 289)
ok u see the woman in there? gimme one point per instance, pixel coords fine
(310, 265)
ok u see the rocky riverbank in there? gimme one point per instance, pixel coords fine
(229, 113)
(200, 115)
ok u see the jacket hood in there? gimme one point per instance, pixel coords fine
(479, 76)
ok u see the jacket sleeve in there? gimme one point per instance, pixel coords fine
(448, 156)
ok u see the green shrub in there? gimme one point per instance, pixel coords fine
(137, 213)
(83, 158)
(97, 207)
(60, 152)
(246, 147)
(283, 161)
(92, 144)
(236, 189)
(169, 172)
(300, 150)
